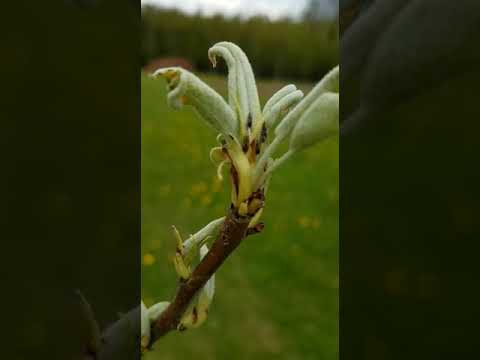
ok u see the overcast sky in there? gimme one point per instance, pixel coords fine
(271, 8)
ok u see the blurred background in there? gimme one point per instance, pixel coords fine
(289, 39)
(277, 296)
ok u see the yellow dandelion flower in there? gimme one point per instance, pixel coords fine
(304, 221)
(148, 259)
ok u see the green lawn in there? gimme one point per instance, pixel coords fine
(277, 296)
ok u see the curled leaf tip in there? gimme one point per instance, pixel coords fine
(213, 59)
(184, 88)
(242, 89)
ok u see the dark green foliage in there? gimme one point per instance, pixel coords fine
(281, 49)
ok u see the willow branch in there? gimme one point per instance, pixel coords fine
(232, 232)
(121, 340)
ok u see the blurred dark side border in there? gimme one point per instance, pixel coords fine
(70, 173)
(410, 179)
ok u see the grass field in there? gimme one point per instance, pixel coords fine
(277, 296)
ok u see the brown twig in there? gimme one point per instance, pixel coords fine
(232, 232)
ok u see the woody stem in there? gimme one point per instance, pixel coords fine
(232, 232)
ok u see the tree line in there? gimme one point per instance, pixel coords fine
(281, 49)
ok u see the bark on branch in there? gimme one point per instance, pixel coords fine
(232, 232)
(121, 340)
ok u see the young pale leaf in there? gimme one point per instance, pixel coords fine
(242, 89)
(329, 83)
(209, 230)
(156, 310)
(278, 96)
(187, 89)
(197, 312)
(206, 294)
(281, 107)
(147, 317)
(319, 122)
